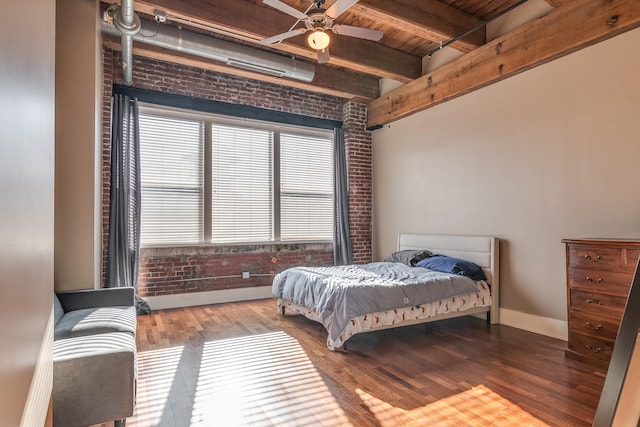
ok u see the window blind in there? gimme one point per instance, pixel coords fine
(242, 186)
(171, 171)
(306, 187)
(209, 179)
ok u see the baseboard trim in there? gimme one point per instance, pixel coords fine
(39, 397)
(210, 297)
(540, 325)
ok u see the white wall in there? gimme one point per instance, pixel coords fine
(27, 34)
(78, 133)
(548, 154)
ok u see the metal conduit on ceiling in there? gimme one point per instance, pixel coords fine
(177, 39)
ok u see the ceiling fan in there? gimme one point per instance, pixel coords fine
(320, 21)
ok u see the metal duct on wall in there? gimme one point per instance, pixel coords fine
(232, 54)
(128, 25)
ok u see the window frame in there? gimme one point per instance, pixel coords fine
(208, 119)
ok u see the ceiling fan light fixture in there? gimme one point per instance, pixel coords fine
(318, 40)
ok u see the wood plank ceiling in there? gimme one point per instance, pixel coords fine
(412, 29)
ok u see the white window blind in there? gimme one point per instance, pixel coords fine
(306, 187)
(212, 179)
(242, 186)
(172, 180)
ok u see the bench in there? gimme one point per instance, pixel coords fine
(94, 357)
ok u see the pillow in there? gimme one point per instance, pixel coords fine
(408, 257)
(447, 264)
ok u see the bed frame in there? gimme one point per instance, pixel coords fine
(483, 251)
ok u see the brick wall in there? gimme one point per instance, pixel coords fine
(107, 84)
(205, 84)
(359, 157)
(195, 269)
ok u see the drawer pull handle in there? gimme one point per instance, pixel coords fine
(590, 279)
(593, 301)
(593, 349)
(599, 280)
(594, 327)
(595, 258)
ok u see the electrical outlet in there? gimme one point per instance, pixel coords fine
(246, 274)
(406, 300)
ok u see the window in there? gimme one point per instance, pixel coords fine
(242, 184)
(209, 179)
(171, 178)
(306, 187)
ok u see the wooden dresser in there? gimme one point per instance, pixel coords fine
(599, 275)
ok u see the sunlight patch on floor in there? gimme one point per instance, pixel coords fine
(262, 380)
(156, 375)
(479, 406)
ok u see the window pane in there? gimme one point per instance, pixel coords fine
(242, 195)
(306, 187)
(171, 170)
(306, 217)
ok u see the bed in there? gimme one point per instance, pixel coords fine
(331, 304)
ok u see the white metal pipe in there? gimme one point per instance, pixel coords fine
(127, 12)
(127, 59)
(128, 24)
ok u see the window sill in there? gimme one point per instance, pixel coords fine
(234, 248)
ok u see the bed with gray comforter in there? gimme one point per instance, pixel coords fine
(339, 294)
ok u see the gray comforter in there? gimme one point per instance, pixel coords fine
(341, 293)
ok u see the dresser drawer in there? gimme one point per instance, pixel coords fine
(594, 325)
(614, 282)
(631, 260)
(594, 257)
(590, 346)
(597, 304)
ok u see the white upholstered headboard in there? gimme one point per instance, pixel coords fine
(481, 250)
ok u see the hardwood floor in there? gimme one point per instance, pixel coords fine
(241, 364)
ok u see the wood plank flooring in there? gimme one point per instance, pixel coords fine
(242, 364)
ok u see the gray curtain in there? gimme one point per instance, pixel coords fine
(124, 211)
(342, 253)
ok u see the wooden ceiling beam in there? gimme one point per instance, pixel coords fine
(429, 19)
(249, 21)
(575, 25)
(340, 83)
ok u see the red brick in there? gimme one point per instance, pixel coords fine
(168, 273)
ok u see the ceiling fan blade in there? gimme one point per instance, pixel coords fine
(323, 56)
(279, 37)
(359, 32)
(339, 7)
(283, 7)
